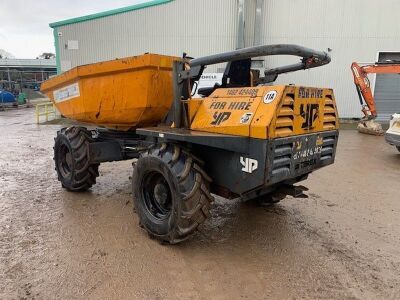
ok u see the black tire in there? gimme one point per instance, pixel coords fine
(71, 157)
(398, 148)
(171, 193)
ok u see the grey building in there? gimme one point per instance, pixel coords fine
(27, 69)
(356, 30)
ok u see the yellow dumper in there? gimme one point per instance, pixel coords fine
(244, 138)
(119, 94)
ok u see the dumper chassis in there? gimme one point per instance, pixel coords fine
(177, 169)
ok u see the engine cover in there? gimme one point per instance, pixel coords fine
(265, 111)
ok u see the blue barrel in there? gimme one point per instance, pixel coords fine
(6, 97)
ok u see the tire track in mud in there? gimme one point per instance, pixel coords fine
(57, 244)
(355, 273)
(28, 210)
(262, 250)
(366, 275)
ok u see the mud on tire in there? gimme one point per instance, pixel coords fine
(72, 160)
(171, 193)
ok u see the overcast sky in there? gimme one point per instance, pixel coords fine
(24, 27)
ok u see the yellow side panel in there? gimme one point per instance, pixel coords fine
(226, 115)
(239, 111)
(266, 111)
(304, 110)
(192, 107)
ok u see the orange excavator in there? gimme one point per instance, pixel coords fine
(368, 124)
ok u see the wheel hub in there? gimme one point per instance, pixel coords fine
(161, 193)
(157, 195)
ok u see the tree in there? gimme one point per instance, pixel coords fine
(4, 54)
(46, 55)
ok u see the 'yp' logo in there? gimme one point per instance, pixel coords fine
(220, 117)
(249, 164)
(309, 113)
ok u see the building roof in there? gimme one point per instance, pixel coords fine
(28, 63)
(108, 13)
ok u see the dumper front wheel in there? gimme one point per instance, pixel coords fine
(72, 159)
(171, 193)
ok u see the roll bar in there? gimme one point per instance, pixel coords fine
(310, 58)
(187, 70)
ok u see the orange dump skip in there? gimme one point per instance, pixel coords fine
(120, 94)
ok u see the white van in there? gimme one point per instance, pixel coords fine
(207, 80)
(392, 135)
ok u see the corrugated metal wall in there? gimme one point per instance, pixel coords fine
(355, 29)
(196, 27)
(387, 89)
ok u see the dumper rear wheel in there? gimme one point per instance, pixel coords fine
(171, 193)
(72, 159)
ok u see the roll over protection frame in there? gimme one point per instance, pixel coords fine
(310, 58)
(191, 69)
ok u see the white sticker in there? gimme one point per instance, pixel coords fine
(270, 96)
(72, 45)
(66, 93)
(246, 118)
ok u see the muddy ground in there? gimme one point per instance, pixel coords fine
(343, 242)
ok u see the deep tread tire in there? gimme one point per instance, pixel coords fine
(189, 193)
(78, 174)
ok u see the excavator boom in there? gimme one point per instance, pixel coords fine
(360, 75)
